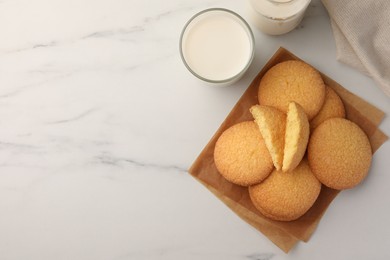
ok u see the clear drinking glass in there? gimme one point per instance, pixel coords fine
(203, 69)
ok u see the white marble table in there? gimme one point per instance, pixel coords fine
(100, 120)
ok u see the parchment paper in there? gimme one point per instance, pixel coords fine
(283, 234)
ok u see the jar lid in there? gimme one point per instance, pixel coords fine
(279, 9)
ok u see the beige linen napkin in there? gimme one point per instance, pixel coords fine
(361, 30)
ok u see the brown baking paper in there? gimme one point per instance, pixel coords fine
(283, 234)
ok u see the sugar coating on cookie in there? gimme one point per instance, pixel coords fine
(296, 138)
(292, 81)
(339, 153)
(333, 107)
(272, 126)
(241, 156)
(286, 196)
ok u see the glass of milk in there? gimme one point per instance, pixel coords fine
(217, 46)
(277, 17)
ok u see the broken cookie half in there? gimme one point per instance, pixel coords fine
(285, 136)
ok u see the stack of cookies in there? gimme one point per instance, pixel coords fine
(298, 141)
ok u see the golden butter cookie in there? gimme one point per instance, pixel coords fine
(297, 136)
(241, 156)
(292, 81)
(339, 153)
(272, 125)
(332, 107)
(286, 196)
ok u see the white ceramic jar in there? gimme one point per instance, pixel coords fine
(217, 46)
(277, 17)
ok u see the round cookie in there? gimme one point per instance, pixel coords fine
(339, 153)
(333, 107)
(292, 81)
(241, 156)
(286, 196)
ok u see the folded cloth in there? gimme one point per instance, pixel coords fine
(362, 34)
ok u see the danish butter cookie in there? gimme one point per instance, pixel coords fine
(297, 136)
(292, 81)
(286, 196)
(333, 107)
(241, 155)
(272, 125)
(339, 153)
